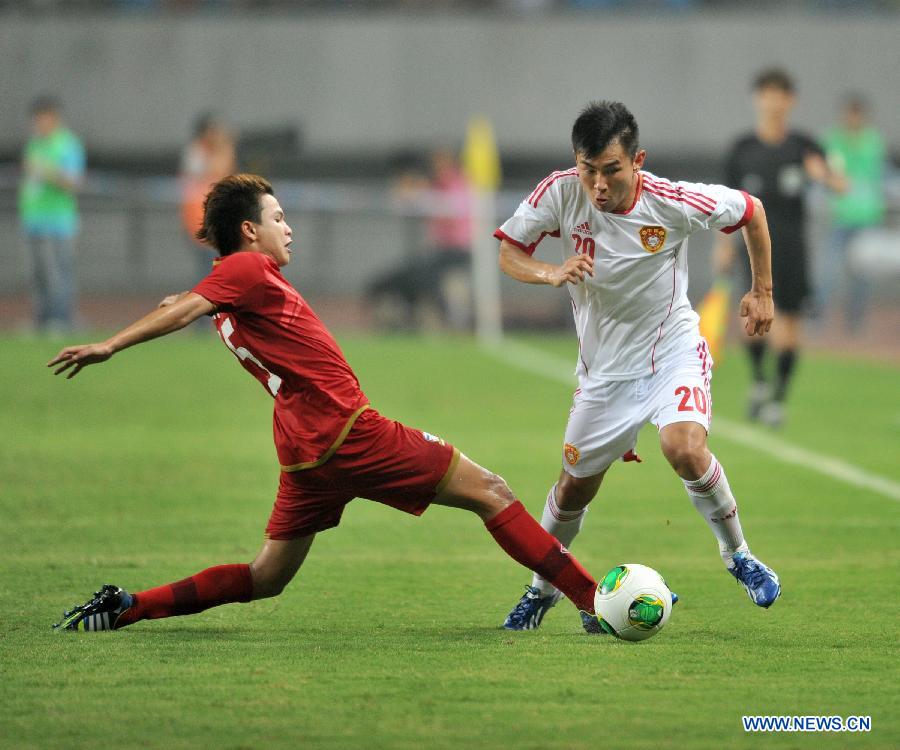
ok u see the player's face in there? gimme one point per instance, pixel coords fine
(774, 103)
(854, 118)
(273, 235)
(610, 179)
(44, 123)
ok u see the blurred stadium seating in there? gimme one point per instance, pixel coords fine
(326, 96)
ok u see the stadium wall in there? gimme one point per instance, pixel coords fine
(388, 82)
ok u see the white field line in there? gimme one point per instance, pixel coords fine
(553, 368)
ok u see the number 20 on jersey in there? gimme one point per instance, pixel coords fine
(584, 245)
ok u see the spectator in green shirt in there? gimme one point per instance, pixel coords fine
(52, 172)
(855, 149)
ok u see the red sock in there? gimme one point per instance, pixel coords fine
(209, 588)
(523, 539)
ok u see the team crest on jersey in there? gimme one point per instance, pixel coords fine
(432, 438)
(571, 453)
(653, 238)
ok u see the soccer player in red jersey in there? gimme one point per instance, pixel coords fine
(331, 444)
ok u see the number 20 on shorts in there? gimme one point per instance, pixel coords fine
(699, 399)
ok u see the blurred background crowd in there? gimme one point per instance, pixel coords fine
(119, 114)
(534, 6)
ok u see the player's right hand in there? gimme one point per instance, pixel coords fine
(759, 310)
(572, 270)
(76, 358)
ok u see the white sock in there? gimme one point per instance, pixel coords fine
(564, 525)
(713, 500)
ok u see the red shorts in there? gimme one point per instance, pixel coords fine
(380, 460)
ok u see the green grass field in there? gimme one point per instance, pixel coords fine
(160, 463)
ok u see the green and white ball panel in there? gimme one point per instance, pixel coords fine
(633, 602)
(645, 612)
(613, 580)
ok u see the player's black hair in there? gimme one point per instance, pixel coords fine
(45, 103)
(775, 78)
(232, 201)
(602, 123)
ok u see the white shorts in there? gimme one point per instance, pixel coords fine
(606, 417)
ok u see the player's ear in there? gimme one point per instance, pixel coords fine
(248, 230)
(639, 159)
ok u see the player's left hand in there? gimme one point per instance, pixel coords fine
(759, 310)
(76, 358)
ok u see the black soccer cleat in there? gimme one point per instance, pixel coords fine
(102, 612)
(591, 623)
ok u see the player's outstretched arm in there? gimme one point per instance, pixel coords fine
(518, 264)
(757, 305)
(165, 319)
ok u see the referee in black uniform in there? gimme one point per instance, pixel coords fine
(776, 163)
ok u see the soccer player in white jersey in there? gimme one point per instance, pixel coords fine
(624, 234)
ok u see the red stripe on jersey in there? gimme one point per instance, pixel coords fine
(539, 191)
(700, 197)
(671, 302)
(684, 197)
(668, 187)
(545, 183)
(540, 185)
(501, 235)
(748, 214)
(578, 336)
(679, 198)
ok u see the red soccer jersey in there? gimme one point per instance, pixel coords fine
(279, 340)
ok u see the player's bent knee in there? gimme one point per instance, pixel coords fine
(575, 497)
(495, 496)
(500, 490)
(687, 457)
(575, 493)
(476, 489)
(268, 582)
(264, 588)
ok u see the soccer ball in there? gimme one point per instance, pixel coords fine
(632, 602)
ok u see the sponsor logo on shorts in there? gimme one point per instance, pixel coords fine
(571, 453)
(652, 238)
(432, 438)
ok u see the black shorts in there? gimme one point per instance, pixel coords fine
(790, 275)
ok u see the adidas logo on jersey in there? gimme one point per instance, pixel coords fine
(584, 228)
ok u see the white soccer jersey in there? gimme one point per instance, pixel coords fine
(634, 312)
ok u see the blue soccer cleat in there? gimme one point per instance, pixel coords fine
(758, 579)
(99, 613)
(530, 610)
